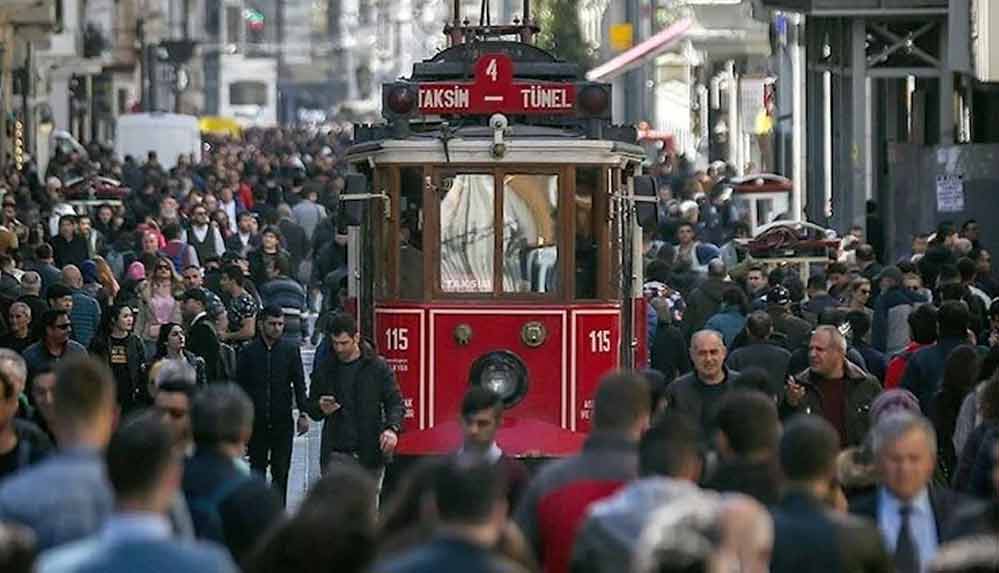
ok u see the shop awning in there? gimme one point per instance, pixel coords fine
(637, 55)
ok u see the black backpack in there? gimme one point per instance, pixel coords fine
(205, 510)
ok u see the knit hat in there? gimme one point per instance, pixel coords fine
(136, 271)
(893, 401)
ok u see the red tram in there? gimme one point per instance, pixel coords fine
(497, 239)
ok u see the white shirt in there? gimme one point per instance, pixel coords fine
(492, 455)
(230, 211)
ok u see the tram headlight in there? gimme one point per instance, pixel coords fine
(502, 372)
(401, 100)
(594, 100)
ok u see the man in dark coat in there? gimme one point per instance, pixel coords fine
(355, 392)
(762, 353)
(202, 339)
(914, 516)
(705, 300)
(748, 432)
(270, 370)
(833, 387)
(699, 393)
(925, 368)
(808, 536)
(481, 419)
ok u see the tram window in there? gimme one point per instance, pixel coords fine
(467, 218)
(587, 183)
(411, 233)
(530, 233)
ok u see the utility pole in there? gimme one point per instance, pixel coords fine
(6, 79)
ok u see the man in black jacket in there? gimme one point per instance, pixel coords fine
(356, 393)
(202, 339)
(270, 369)
(699, 393)
(808, 535)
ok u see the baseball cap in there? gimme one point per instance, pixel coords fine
(778, 295)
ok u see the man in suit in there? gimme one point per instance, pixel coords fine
(202, 338)
(145, 474)
(914, 517)
(809, 536)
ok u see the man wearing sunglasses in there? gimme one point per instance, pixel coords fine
(55, 343)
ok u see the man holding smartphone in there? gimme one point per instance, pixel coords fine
(355, 392)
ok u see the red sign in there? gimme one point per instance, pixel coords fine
(596, 350)
(494, 91)
(400, 342)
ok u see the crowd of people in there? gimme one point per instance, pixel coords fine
(152, 383)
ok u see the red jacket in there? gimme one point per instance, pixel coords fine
(897, 364)
(555, 503)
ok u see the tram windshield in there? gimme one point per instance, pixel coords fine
(529, 241)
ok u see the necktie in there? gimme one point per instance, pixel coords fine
(906, 552)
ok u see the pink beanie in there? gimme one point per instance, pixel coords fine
(136, 271)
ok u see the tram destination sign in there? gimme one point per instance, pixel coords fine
(495, 91)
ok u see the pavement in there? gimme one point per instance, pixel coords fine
(305, 452)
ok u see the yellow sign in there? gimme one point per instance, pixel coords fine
(622, 37)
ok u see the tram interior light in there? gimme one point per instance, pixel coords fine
(401, 100)
(593, 100)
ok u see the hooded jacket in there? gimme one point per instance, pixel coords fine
(890, 327)
(609, 534)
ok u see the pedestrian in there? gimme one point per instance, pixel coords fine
(242, 308)
(469, 498)
(42, 391)
(794, 330)
(705, 300)
(67, 497)
(669, 464)
(22, 443)
(761, 352)
(335, 525)
(125, 355)
(172, 345)
(269, 369)
(54, 345)
(557, 499)
(31, 290)
(698, 393)
(286, 293)
(925, 369)
(911, 513)
(833, 387)
(860, 328)
(809, 536)
(157, 303)
(68, 248)
(203, 235)
(960, 376)
(228, 505)
(481, 419)
(145, 474)
(19, 335)
(731, 316)
(204, 340)
(746, 441)
(355, 392)
(922, 324)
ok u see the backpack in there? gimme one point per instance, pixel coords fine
(205, 510)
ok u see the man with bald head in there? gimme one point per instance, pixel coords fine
(31, 291)
(833, 387)
(698, 393)
(86, 312)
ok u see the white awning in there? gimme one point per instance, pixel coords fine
(637, 55)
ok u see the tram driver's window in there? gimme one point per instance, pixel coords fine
(467, 218)
(411, 233)
(587, 183)
(530, 233)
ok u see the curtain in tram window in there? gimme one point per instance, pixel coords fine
(467, 219)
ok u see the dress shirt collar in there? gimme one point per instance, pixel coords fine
(136, 526)
(492, 455)
(919, 504)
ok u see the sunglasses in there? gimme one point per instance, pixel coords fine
(162, 268)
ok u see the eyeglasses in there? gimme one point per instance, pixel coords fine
(162, 268)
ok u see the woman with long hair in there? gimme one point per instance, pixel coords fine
(171, 343)
(124, 353)
(859, 295)
(158, 304)
(959, 378)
